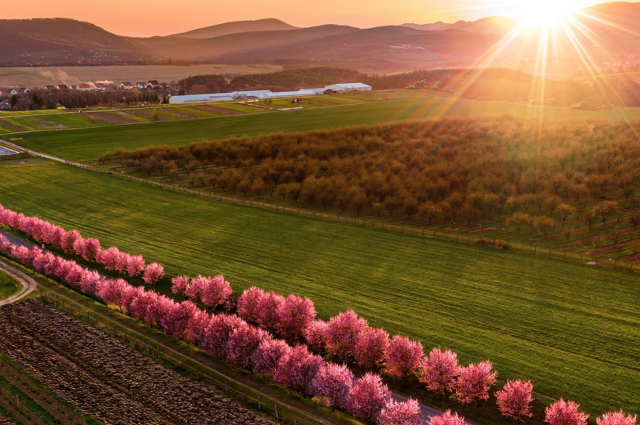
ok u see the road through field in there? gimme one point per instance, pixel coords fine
(28, 284)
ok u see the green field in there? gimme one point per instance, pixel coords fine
(574, 331)
(8, 285)
(89, 144)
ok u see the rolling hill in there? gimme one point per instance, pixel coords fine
(491, 25)
(237, 27)
(60, 41)
(603, 31)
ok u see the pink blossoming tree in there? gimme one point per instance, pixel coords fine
(439, 371)
(515, 400)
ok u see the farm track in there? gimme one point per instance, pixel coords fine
(104, 378)
(28, 283)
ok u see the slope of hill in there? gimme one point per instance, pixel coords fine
(491, 25)
(59, 41)
(213, 48)
(237, 27)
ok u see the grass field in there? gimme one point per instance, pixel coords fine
(40, 76)
(8, 285)
(86, 145)
(573, 330)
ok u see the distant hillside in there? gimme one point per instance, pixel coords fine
(214, 48)
(237, 27)
(65, 41)
(383, 49)
(491, 25)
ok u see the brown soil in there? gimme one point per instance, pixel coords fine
(147, 114)
(11, 126)
(217, 110)
(183, 115)
(104, 378)
(109, 118)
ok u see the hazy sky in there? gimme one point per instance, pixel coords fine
(162, 17)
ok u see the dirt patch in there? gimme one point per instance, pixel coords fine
(108, 118)
(182, 115)
(217, 110)
(11, 126)
(104, 378)
(147, 114)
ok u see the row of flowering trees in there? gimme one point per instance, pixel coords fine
(72, 243)
(233, 339)
(247, 340)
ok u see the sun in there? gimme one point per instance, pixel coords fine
(547, 13)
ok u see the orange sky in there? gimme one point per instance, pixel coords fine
(162, 17)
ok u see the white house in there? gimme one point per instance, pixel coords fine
(345, 87)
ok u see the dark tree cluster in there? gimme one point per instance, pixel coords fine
(439, 170)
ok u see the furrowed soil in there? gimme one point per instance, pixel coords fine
(104, 378)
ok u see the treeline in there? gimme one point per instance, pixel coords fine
(489, 84)
(51, 99)
(443, 170)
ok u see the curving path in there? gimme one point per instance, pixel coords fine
(28, 283)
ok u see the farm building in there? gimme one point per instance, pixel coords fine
(261, 94)
(345, 87)
(244, 95)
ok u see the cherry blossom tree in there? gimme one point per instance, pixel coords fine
(41, 261)
(194, 332)
(565, 413)
(403, 413)
(78, 246)
(295, 314)
(89, 281)
(439, 371)
(515, 400)
(135, 265)
(297, 369)
(217, 333)
(332, 384)
(68, 241)
(315, 334)
(177, 318)
(475, 381)
(617, 418)
(368, 397)
(249, 304)
(371, 346)
(215, 291)
(447, 418)
(109, 258)
(343, 333)
(243, 343)
(122, 262)
(153, 273)
(266, 358)
(402, 357)
(268, 309)
(90, 249)
(179, 284)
